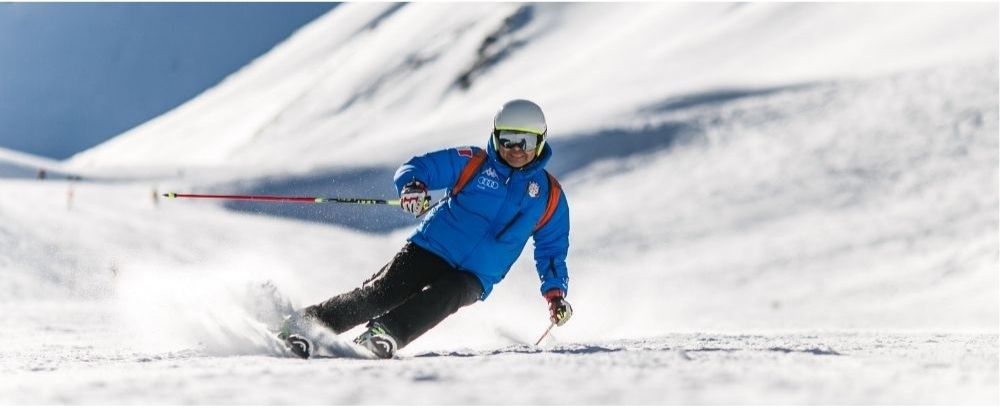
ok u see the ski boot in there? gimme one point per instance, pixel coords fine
(292, 333)
(299, 345)
(378, 340)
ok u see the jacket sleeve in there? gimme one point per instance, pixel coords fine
(437, 170)
(551, 247)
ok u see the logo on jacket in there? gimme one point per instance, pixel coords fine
(533, 189)
(492, 173)
(487, 183)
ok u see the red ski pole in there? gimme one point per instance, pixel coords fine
(275, 198)
(544, 334)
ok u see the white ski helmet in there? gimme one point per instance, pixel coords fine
(520, 116)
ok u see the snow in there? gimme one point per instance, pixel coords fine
(337, 91)
(22, 165)
(771, 204)
(687, 368)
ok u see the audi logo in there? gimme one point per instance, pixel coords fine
(483, 181)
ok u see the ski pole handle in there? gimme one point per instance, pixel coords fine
(274, 198)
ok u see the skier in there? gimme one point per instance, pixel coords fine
(498, 198)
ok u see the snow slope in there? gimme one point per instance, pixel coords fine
(14, 164)
(371, 73)
(688, 369)
(803, 219)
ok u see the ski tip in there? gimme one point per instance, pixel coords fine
(170, 195)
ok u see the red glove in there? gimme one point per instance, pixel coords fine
(559, 309)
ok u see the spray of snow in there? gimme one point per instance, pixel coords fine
(723, 175)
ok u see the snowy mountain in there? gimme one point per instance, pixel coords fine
(74, 74)
(424, 75)
(14, 164)
(771, 203)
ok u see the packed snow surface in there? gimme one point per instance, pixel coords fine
(85, 361)
(771, 204)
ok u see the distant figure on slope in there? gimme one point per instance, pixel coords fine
(498, 198)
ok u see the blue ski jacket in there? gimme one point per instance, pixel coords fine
(484, 228)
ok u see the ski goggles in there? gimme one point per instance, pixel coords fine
(511, 139)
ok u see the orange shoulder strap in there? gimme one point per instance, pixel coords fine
(550, 208)
(469, 171)
(472, 167)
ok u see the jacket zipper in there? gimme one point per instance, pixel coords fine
(517, 215)
(505, 228)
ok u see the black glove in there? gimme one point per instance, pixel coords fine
(414, 198)
(559, 309)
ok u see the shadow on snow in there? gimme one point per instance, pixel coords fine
(571, 153)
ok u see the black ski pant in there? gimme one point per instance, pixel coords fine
(411, 294)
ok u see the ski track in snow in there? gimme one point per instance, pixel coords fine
(81, 359)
